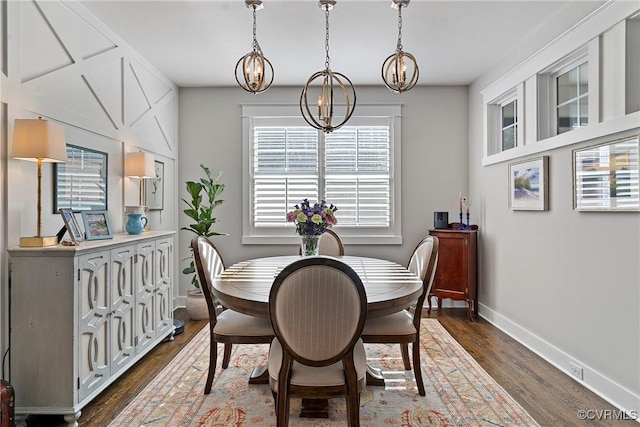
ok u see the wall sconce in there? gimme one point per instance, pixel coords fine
(139, 165)
(41, 141)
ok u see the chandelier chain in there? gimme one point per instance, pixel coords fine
(399, 45)
(255, 45)
(326, 40)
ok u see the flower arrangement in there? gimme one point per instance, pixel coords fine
(313, 220)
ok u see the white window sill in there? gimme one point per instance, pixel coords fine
(630, 122)
(347, 240)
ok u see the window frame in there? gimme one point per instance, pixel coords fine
(290, 115)
(494, 119)
(548, 89)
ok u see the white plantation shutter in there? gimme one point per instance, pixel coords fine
(357, 180)
(608, 176)
(81, 181)
(287, 161)
(285, 171)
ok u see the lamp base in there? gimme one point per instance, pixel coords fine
(38, 241)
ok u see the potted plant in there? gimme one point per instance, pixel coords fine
(204, 198)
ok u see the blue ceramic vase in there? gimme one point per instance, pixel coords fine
(136, 223)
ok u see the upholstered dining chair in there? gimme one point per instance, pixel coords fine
(228, 327)
(404, 327)
(317, 307)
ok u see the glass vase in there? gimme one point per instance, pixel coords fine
(309, 245)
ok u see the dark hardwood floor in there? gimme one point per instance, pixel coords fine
(551, 397)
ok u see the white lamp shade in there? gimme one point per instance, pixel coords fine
(139, 165)
(38, 139)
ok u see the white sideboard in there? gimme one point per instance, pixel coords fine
(81, 316)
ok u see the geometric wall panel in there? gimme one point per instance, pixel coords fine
(38, 36)
(87, 39)
(153, 87)
(106, 82)
(136, 103)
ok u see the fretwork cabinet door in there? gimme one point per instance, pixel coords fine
(123, 307)
(145, 294)
(163, 316)
(94, 321)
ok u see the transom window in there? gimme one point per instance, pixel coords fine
(509, 114)
(352, 167)
(572, 99)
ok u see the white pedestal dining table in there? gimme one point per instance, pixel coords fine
(245, 287)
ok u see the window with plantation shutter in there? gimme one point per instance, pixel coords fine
(287, 161)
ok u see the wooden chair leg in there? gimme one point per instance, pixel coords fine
(213, 359)
(404, 348)
(416, 367)
(282, 411)
(227, 355)
(353, 409)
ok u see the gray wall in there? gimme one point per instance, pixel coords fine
(562, 282)
(434, 160)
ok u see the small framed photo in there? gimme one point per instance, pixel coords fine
(72, 225)
(96, 225)
(528, 185)
(154, 189)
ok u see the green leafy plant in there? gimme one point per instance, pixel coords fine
(204, 199)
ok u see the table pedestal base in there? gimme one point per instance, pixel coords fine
(374, 377)
(314, 408)
(259, 375)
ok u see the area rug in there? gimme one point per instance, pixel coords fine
(459, 391)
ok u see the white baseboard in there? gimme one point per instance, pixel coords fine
(614, 393)
(180, 302)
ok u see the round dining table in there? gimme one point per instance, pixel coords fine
(245, 286)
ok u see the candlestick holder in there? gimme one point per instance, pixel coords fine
(461, 224)
(468, 227)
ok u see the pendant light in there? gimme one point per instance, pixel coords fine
(333, 84)
(254, 72)
(400, 70)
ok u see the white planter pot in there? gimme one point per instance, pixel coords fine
(197, 305)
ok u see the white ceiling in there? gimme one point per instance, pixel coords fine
(197, 43)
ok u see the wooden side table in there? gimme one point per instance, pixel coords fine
(457, 270)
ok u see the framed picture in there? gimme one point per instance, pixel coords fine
(81, 183)
(72, 225)
(96, 225)
(528, 185)
(154, 189)
(606, 176)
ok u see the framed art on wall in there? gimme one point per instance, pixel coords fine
(528, 185)
(96, 225)
(72, 225)
(154, 189)
(606, 177)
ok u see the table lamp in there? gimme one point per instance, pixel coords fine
(139, 165)
(38, 140)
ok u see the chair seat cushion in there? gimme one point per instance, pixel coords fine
(400, 323)
(302, 375)
(233, 323)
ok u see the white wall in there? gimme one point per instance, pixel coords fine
(434, 160)
(565, 283)
(66, 66)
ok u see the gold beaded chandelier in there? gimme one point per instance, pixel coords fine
(400, 70)
(254, 72)
(333, 84)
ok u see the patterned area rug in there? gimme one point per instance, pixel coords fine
(459, 391)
